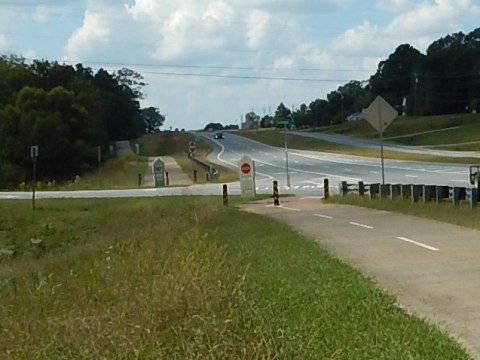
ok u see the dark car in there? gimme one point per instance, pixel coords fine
(218, 135)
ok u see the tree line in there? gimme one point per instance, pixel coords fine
(445, 80)
(68, 111)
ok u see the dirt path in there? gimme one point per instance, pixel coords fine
(176, 176)
(433, 268)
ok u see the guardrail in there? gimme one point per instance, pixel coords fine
(413, 192)
(211, 172)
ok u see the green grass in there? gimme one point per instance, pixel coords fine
(462, 216)
(407, 125)
(185, 278)
(276, 138)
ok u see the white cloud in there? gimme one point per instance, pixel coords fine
(4, 43)
(88, 38)
(396, 5)
(257, 27)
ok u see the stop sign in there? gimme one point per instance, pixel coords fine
(245, 168)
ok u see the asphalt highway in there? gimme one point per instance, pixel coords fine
(308, 169)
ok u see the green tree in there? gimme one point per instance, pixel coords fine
(281, 114)
(152, 118)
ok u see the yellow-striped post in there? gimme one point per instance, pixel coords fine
(225, 195)
(276, 202)
(326, 190)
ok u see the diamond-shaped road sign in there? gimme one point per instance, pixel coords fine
(380, 114)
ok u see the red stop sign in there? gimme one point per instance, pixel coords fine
(245, 168)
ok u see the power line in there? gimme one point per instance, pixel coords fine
(243, 77)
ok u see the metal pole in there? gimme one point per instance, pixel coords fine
(138, 165)
(415, 95)
(33, 155)
(99, 153)
(286, 153)
(383, 161)
(381, 141)
(34, 180)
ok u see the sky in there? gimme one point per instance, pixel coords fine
(216, 60)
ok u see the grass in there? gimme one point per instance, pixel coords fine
(175, 144)
(204, 148)
(185, 278)
(462, 216)
(276, 138)
(407, 125)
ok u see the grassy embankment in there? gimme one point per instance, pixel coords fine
(461, 130)
(170, 279)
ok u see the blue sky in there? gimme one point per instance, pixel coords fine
(215, 60)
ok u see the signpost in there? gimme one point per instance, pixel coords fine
(34, 155)
(246, 172)
(285, 123)
(380, 114)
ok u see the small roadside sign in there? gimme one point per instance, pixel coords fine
(246, 167)
(380, 114)
(34, 151)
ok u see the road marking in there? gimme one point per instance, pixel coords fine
(411, 176)
(418, 243)
(324, 216)
(361, 225)
(284, 207)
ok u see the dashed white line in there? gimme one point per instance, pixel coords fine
(324, 216)
(361, 225)
(418, 243)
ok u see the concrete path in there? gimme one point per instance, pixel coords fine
(433, 268)
(176, 176)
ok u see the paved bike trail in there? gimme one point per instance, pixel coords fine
(433, 268)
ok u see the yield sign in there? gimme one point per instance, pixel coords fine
(380, 114)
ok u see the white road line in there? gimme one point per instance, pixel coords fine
(361, 225)
(418, 243)
(284, 207)
(411, 176)
(324, 216)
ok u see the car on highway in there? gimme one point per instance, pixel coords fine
(218, 135)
